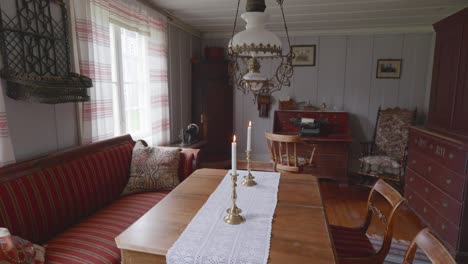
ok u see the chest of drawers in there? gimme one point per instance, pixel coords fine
(436, 187)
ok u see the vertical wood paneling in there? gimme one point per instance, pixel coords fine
(66, 125)
(384, 92)
(32, 128)
(174, 80)
(185, 99)
(305, 90)
(331, 76)
(182, 47)
(359, 61)
(413, 86)
(345, 76)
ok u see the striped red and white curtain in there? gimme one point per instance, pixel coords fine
(7, 155)
(92, 20)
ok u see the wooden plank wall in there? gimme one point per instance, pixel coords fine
(182, 48)
(344, 77)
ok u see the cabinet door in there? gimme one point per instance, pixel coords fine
(219, 117)
(460, 114)
(445, 76)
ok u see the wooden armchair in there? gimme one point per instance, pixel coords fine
(385, 156)
(352, 244)
(283, 152)
(431, 246)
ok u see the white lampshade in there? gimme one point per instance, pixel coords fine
(256, 41)
(254, 76)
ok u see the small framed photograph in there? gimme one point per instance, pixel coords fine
(389, 69)
(304, 55)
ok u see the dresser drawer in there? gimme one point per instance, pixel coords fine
(439, 149)
(446, 206)
(443, 228)
(445, 179)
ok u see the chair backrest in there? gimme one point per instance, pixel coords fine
(395, 200)
(391, 131)
(283, 151)
(431, 246)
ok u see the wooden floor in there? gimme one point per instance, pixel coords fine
(346, 206)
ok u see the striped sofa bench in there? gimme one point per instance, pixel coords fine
(70, 201)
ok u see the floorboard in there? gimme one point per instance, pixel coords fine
(346, 206)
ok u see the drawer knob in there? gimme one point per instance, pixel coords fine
(429, 169)
(445, 205)
(411, 179)
(448, 181)
(413, 161)
(410, 197)
(443, 227)
(425, 210)
(451, 156)
(426, 190)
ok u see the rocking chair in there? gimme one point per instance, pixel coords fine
(385, 156)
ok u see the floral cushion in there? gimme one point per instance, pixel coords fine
(14, 249)
(153, 169)
(391, 136)
(381, 161)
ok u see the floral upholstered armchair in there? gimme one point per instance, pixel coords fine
(385, 156)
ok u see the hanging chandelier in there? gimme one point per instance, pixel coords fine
(253, 48)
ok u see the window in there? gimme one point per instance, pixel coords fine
(131, 84)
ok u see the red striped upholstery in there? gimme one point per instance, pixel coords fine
(351, 242)
(92, 241)
(186, 160)
(46, 201)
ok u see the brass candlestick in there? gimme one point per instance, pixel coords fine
(234, 217)
(249, 178)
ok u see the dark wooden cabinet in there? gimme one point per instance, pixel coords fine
(436, 179)
(448, 108)
(436, 186)
(212, 108)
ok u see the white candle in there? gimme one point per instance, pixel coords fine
(234, 156)
(249, 137)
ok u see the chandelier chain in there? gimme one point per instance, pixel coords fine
(235, 24)
(280, 3)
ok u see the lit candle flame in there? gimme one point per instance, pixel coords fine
(250, 123)
(234, 139)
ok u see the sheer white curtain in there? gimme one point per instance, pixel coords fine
(7, 155)
(110, 36)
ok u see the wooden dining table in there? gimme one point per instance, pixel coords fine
(300, 232)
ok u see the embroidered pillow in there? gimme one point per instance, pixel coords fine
(153, 169)
(14, 249)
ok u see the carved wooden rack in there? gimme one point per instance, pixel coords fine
(35, 51)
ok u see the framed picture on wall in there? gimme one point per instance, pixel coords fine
(304, 55)
(389, 69)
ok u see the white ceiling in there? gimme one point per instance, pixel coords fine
(216, 17)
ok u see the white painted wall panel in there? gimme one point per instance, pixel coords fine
(182, 48)
(331, 71)
(304, 89)
(359, 63)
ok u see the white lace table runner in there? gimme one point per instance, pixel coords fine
(209, 240)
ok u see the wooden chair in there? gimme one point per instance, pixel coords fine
(431, 246)
(385, 156)
(352, 244)
(283, 152)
